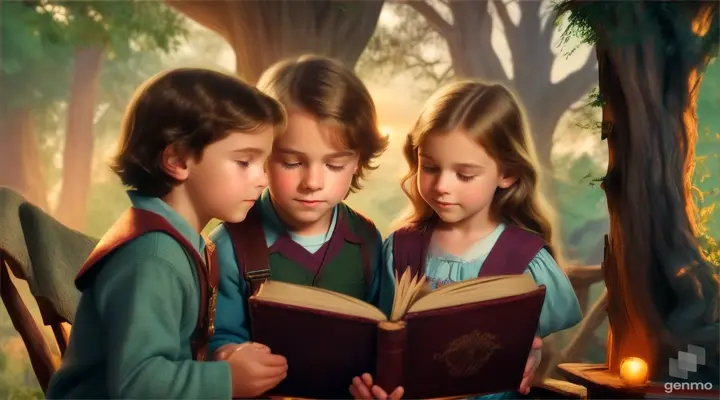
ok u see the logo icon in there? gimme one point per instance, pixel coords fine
(686, 362)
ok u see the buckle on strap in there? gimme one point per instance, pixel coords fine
(258, 275)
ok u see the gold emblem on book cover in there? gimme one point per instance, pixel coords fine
(467, 354)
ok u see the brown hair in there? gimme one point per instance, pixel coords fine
(333, 94)
(491, 115)
(189, 108)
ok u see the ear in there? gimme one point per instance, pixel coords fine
(506, 181)
(174, 163)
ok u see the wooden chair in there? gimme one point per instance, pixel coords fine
(43, 362)
(39, 250)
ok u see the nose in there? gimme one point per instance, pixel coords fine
(313, 179)
(442, 183)
(261, 178)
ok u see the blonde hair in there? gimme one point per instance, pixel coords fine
(333, 94)
(491, 115)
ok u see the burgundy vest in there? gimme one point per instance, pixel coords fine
(136, 222)
(512, 253)
(252, 252)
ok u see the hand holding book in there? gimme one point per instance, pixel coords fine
(533, 363)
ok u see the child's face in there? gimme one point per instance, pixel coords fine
(230, 176)
(457, 177)
(308, 172)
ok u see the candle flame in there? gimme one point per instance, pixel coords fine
(634, 370)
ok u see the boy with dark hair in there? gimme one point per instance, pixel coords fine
(193, 147)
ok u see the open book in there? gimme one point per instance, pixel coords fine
(472, 337)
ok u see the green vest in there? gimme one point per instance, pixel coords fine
(345, 258)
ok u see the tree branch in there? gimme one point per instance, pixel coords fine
(433, 18)
(547, 31)
(570, 90)
(212, 17)
(511, 30)
(445, 75)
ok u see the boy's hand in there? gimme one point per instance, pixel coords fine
(224, 352)
(531, 366)
(254, 369)
(362, 388)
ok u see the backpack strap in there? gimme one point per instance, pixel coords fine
(410, 248)
(512, 253)
(367, 232)
(136, 222)
(251, 251)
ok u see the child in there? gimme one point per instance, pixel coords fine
(301, 231)
(192, 148)
(476, 207)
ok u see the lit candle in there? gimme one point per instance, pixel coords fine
(634, 371)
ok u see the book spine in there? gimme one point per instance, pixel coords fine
(390, 362)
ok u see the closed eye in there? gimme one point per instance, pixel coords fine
(466, 178)
(288, 165)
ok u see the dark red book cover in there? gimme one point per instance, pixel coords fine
(461, 350)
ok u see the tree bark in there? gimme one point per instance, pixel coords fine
(19, 160)
(662, 295)
(264, 32)
(78, 152)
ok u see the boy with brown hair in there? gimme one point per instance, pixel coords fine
(301, 231)
(193, 147)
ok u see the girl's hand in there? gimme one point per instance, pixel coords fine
(531, 366)
(362, 388)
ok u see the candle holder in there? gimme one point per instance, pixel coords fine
(600, 382)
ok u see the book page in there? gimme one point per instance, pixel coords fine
(317, 299)
(408, 289)
(475, 290)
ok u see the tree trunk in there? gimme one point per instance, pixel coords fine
(662, 295)
(19, 160)
(78, 152)
(264, 32)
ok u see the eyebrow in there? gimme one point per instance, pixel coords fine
(457, 165)
(339, 154)
(249, 150)
(468, 166)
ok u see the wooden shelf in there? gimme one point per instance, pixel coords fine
(601, 384)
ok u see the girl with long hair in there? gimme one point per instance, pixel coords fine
(476, 208)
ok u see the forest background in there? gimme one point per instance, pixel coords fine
(74, 65)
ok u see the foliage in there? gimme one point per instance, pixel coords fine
(657, 23)
(39, 40)
(582, 209)
(707, 177)
(36, 57)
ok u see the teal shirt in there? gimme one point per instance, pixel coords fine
(231, 319)
(131, 335)
(561, 309)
